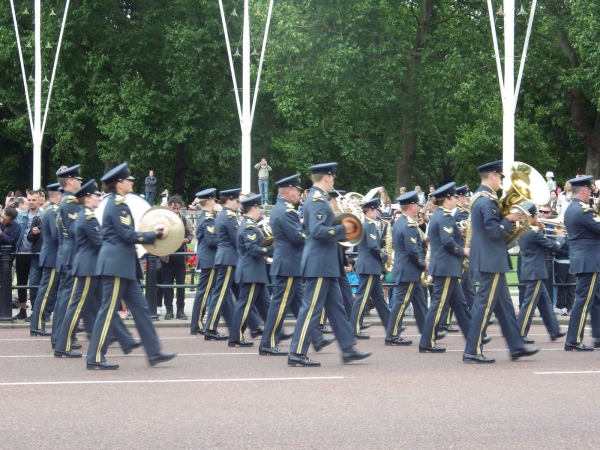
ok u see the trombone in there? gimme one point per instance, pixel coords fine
(557, 227)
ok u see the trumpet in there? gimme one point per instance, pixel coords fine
(558, 226)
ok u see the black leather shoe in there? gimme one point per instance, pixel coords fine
(256, 332)
(323, 343)
(181, 315)
(362, 336)
(560, 334)
(137, 343)
(449, 328)
(435, 349)
(323, 329)
(366, 325)
(161, 357)
(301, 360)
(351, 354)
(396, 340)
(271, 351)
(195, 332)
(104, 365)
(478, 359)
(523, 352)
(569, 346)
(61, 354)
(440, 335)
(486, 340)
(242, 343)
(28, 319)
(286, 336)
(40, 333)
(75, 346)
(528, 341)
(596, 343)
(492, 321)
(21, 315)
(169, 315)
(214, 336)
(80, 330)
(53, 342)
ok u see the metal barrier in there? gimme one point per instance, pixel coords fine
(151, 283)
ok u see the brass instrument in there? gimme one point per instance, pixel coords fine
(350, 211)
(558, 225)
(426, 279)
(265, 227)
(389, 248)
(526, 184)
(161, 216)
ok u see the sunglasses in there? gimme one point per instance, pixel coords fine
(545, 212)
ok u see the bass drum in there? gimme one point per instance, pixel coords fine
(138, 207)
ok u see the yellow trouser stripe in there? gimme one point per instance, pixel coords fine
(247, 310)
(487, 311)
(402, 307)
(363, 303)
(530, 307)
(45, 299)
(440, 308)
(205, 297)
(591, 291)
(86, 288)
(221, 297)
(313, 303)
(322, 320)
(284, 300)
(72, 293)
(109, 317)
(449, 318)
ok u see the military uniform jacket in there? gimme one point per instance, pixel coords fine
(117, 257)
(251, 266)
(289, 237)
(583, 226)
(461, 214)
(321, 256)
(369, 259)
(207, 242)
(227, 227)
(88, 240)
(408, 250)
(445, 240)
(488, 247)
(49, 231)
(68, 212)
(533, 258)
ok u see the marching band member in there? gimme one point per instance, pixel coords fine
(409, 263)
(206, 249)
(447, 254)
(583, 226)
(489, 257)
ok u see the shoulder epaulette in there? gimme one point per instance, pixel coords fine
(230, 214)
(70, 199)
(317, 197)
(89, 214)
(119, 199)
(249, 225)
(208, 216)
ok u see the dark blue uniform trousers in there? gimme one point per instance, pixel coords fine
(221, 301)
(318, 293)
(369, 286)
(536, 295)
(203, 292)
(447, 293)
(113, 290)
(251, 294)
(65, 290)
(46, 297)
(406, 292)
(346, 290)
(85, 290)
(468, 293)
(587, 298)
(493, 296)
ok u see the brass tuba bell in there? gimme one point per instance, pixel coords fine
(350, 211)
(526, 185)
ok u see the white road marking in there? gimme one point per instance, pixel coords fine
(198, 380)
(485, 350)
(567, 372)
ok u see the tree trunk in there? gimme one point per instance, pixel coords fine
(180, 170)
(410, 119)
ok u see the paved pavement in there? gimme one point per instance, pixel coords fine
(214, 396)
